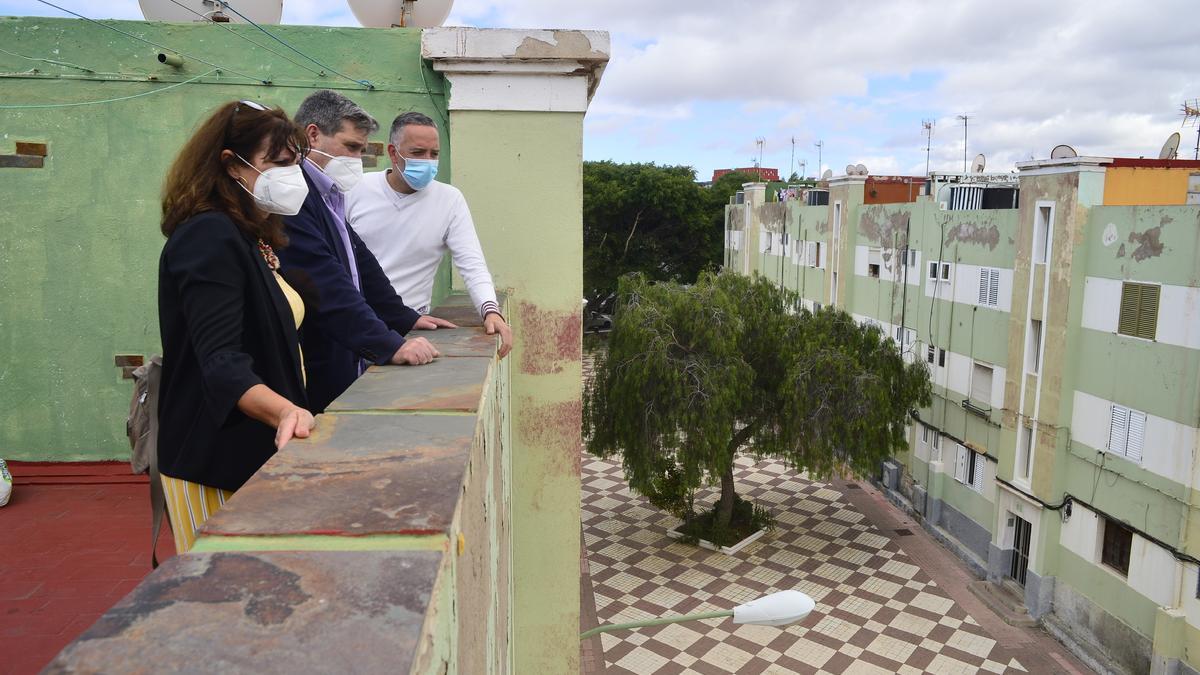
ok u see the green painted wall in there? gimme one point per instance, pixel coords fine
(79, 239)
(521, 174)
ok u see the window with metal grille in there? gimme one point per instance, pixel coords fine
(989, 286)
(1118, 542)
(1126, 432)
(935, 355)
(1139, 310)
(874, 262)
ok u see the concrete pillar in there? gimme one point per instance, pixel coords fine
(755, 195)
(517, 101)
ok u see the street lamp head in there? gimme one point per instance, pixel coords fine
(776, 609)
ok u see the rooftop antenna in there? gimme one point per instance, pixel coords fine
(964, 117)
(803, 169)
(1191, 117)
(979, 163)
(792, 167)
(927, 125)
(760, 141)
(820, 145)
(1170, 149)
(1063, 152)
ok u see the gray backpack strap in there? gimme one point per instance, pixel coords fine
(158, 500)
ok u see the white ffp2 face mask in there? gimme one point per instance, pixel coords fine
(280, 190)
(345, 172)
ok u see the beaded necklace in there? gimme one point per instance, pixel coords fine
(268, 255)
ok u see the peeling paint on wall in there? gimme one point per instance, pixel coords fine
(973, 233)
(1148, 243)
(553, 339)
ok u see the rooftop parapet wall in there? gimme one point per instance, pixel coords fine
(356, 550)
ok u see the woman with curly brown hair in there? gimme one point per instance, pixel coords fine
(232, 387)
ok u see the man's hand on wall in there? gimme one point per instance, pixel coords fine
(432, 323)
(415, 352)
(493, 323)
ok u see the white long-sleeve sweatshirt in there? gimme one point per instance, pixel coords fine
(409, 234)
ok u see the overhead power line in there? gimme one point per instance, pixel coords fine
(152, 43)
(32, 106)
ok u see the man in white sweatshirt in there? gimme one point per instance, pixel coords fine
(409, 221)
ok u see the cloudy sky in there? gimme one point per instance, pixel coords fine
(695, 82)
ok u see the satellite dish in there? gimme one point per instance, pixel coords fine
(258, 11)
(849, 169)
(388, 13)
(860, 169)
(978, 164)
(827, 174)
(1063, 152)
(1171, 148)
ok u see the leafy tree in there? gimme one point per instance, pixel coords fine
(694, 373)
(652, 220)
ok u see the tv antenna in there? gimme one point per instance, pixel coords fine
(964, 117)
(927, 125)
(760, 142)
(792, 167)
(820, 145)
(1170, 149)
(1191, 118)
(803, 169)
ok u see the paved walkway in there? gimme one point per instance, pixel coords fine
(73, 541)
(889, 598)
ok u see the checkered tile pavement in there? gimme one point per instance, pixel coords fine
(876, 611)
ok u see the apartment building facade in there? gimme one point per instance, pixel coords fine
(1058, 312)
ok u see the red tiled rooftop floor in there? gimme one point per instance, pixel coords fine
(74, 539)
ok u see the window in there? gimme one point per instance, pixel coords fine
(939, 271)
(1139, 310)
(1033, 349)
(936, 455)
(908, 257)
(968, 468)
(874, 262)
(981, 383)
(925, 434)
(1126, 432)
(816, 307)
(904, 336)
(1041, 234)
(935, 354)
(1024, 451)
(989, 286)
(1118, 540)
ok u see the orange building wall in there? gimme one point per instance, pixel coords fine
(891, 192)
(1146, 186)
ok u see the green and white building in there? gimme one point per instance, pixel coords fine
(1058, 311)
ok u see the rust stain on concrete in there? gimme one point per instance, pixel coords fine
(554, 427)
(1121, 251)
(1148, 243)
(550, 340)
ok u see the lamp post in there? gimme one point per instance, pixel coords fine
(776, 609)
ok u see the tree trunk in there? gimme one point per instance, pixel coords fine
(728, 494)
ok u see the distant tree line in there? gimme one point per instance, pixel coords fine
(653, 220)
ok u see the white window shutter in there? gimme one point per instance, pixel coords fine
(1137, 435)
(994, 288)
(961, 460)
(977, 479)
(983, 285)
(1118, 430)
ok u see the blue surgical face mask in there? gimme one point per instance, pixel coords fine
(419, 173)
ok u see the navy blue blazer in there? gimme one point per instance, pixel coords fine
(341, 325)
